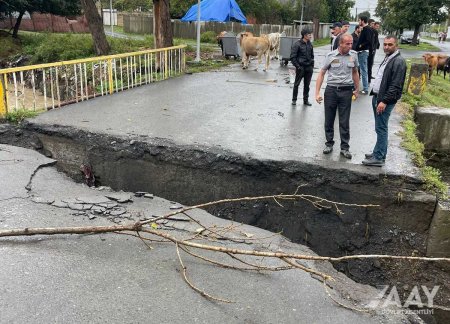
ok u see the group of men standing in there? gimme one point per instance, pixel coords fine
(350, 59)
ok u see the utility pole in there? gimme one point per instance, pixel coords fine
(111, 17)
(197, 57)
(301, 17)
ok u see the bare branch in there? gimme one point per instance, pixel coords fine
(201, 292)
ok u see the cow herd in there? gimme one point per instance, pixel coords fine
(267, 45)
(438, 62)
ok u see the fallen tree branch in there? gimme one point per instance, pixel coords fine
(201, 292)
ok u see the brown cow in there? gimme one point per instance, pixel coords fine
(254, 46)
(434, 61)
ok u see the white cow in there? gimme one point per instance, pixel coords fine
(274, 40)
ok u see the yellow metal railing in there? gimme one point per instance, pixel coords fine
(52, 85)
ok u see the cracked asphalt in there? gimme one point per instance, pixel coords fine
(116, 279)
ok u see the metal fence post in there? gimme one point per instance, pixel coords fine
(166, 71)
(3, 96)
(110, 77)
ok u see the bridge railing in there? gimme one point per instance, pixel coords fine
(52, 85)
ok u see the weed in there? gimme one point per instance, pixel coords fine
(17, 116)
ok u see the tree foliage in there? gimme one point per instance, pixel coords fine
(339, 10)
(129, 5)
(411, 14)
(57, 7)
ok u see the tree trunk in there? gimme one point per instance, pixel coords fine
(17, 25)
(96, 27)
(162, 25)
(416, 33)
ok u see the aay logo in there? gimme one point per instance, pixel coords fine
(419, 297)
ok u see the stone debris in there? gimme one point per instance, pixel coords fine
(119, 197)
(108, 205)
(117, 211)
(93, 200)
(41, 200)
(148, 195)
(98, 209)
(79, 206)
(59, 204)
(176, 207)
(80, 213)
(140, 193)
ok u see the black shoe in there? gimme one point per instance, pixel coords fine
(373, 162)
(369, 156)
(346, 154)
(328, 149)
(307, 103)
(294, 102)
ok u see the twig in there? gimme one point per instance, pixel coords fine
(223, 265)
(201, 292)
(257, 266)
(341, 304)
(306, 269)
(281, 197)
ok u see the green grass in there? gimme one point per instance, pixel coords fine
(423, 46)
(205, 65)
(322, 42)
(433, 93)
(17, 116)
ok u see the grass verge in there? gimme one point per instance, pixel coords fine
(431, 176)
(423, 46)
(17, 116)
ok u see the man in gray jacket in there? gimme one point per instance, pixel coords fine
(387, 90)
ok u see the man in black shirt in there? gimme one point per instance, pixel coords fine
(302, 57)
(375, 46)
(364, 47)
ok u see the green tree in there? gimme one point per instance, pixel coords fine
(401, 14)
(57, 7)
(313, 9)
(178, 8)
(339, 10)
(128, 5)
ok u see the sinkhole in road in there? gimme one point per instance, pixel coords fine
(191, 175)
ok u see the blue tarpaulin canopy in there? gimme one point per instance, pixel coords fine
(216, 10)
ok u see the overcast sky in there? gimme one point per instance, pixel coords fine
(365, 5)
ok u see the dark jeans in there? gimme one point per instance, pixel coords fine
(338, 100)
(370, 60)
(381, 128)
(304, 72)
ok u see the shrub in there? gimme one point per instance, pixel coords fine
(208, 37)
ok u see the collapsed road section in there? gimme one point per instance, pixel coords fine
(400, 224)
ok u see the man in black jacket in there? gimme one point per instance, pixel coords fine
(375, 46)
(302, 57)
(364, 47)
(387, 90)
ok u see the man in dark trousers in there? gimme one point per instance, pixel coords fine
(302, 57)
(364, 47)
(387, 90)
(342, 83)
(375, 46)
